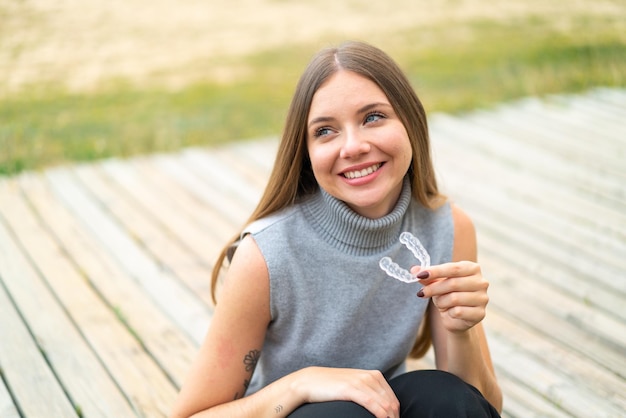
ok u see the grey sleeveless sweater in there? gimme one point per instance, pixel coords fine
(331, 305)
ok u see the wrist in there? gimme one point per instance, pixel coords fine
(297, 385)
(464, 337)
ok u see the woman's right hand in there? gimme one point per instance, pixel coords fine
(367, 388)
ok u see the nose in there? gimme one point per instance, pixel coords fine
(354, 144)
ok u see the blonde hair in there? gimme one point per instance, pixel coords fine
(292, 176)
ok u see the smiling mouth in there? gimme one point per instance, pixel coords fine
(362, 173)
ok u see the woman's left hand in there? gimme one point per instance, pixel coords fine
(458, 291)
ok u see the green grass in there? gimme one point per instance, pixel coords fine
(453, 69)
(506, 62)
(57, 127)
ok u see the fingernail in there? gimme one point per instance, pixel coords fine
(420, 294)
(423, 275)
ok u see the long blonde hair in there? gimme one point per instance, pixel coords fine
(292, 176)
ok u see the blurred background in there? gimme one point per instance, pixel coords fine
(84, 80)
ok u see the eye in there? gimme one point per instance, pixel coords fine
(322, 132)
(373, 117)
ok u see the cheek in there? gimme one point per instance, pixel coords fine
(408, 155)
(402, 149)
(407, 150)
(321, 159)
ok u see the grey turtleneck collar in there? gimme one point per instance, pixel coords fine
(350, 232)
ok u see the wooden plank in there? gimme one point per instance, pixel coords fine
(577, 126)
(599, 106)
(230, 210)
(261, 153)
(173, 298)
(206, 218)
(7, 407)
(512, 194)
(519, 402)
(546, 244)
(563, 142)
(546, 236)
(490, 221)
(525, 249)
(579, 132)
(82, 373)
(227, 181)
(35, 331)
(530, 302)
(253, 173)
(164, 210)
(179, 245)
(519, 188)
(615, 97)
(167, 345)
(574, 379)
(538, 266)
(551, 144)
(507, 142)
(552, 229)
(525, 295)
(555, 387)
(24, 368)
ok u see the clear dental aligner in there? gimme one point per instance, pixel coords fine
(412, 243)
(415, 246)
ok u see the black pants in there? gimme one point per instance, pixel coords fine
(422, 393)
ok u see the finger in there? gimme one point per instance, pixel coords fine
(376, 395)
(388, 403)
(461, 299)
(468, 315)
(468, 284)
(446, 270)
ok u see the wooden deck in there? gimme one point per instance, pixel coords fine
(104, 267)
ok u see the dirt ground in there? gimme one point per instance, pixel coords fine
(82, 43)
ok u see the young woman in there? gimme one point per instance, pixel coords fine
(307, 323)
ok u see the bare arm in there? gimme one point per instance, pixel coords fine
(223, 368)
(458, 305)
(220, 374)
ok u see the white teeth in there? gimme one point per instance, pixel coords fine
(361, 173)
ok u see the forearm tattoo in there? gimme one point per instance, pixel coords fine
(249, 361)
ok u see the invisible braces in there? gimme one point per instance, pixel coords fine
(394, 270)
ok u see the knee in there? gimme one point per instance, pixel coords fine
(332, 409)
(435, 393)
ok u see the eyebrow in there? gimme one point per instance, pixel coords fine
(371, 106)
(362, 110)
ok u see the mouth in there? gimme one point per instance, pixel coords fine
(362, 173)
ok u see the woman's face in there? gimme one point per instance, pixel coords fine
(359, 149)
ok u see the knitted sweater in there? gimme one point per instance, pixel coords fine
(331, 304)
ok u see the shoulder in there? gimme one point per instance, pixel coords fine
(464, 235)
(247, 255)
(246, 283)
(462, 222)
(264, 223)
(259, 226)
